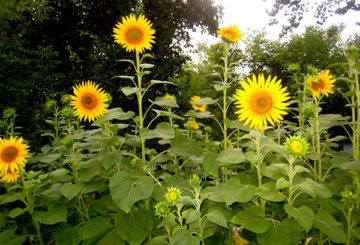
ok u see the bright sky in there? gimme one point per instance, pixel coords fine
(251, 15)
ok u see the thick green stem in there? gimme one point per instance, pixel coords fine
(318, 145)
(224, 110)
(349, 226)
(139, 95)
(356, 146)
(258, 167)
(291, 178)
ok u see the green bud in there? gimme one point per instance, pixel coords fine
(162, 209)
(294, 68)
(3, 125)
(349, 199)
(9, 113)
(173, 195)
(65, 99)
(353, 53)
(207, 129)
(194, 180)
(51, 105)
(153, 152)
(67, 113)
(312, 70)
(68, 142)
(109, 98)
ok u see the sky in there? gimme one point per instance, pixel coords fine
(251, 15)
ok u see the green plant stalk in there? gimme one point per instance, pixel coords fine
(139, 95)
(56, 126)
(224, 110)
(349, 226)
(30, 206)
(291, 179)
(258, 167)
(356, 143)
(318, 146)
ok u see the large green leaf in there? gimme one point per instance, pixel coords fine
(268, 192)
(126, 190)
(89, 169)
(163, 130)
(161, 101)
(96, 229)
(252, 219)
(135, 226)
(217, 217)
(210, 164)
(182, 237)
(285, 233)
(109, 159)
(55, 214)
(186, 147)
(11, 197)
(231, 156)
(304, 215)
(8, 237)
(70, 190)
(315, 189)
(329, 226)
(234, 191)
(68, 235)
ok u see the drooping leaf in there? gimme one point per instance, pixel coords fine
(252, 219)
(182, 237)
(304, 215)
(231, 156)
(55, 214)
(234, 191)
(217, 217)
(285, 233)
(329, 226)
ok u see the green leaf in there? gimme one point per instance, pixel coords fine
(329, 226)
(96, 229)
(58, 173)
(210, 164)
(16, 212)
(252, 219)
(8, 237)
(153, 82)
(109, 159)
(55, 214)
(186, 147)
(167, 114)
(191, 215)
(285, 233)
(231, 156)
(219, 87)
(89, 169)
(146, 66)
(116, 113)
(52, 191)
(11, 197)
(268, 192)
(182, 237)
(161, 101)
(217, 217)
(234, 191)
(205, 101)
(159, 240)
(68, 235)
(131, 90)
(163, 130)
(276, 171)
(113, 237)
(315, 189)
(3, 220)
(126, 191)
(304, 215)
(70, 190)
(282, 183)
(202, 114)
(135, 226)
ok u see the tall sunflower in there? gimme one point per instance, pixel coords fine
(322, 84)
(197, 107)
(9, 176)
(89, 101)
(134, 34)
(13, 154)
(261, 101)
(231, 33)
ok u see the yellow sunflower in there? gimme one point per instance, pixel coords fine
(134, 34)
(322, 84)
(231, 33)
(169, 97)
(89, 101)
(297, 146)
(261, 101)
(10, 177)
(193, 124)
(13, 154)
(197, 107)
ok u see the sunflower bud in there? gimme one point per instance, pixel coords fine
(162, 209)
(294, 68)
(67, 113)
(51, 105)
(65, 99)
(194, 180)
(208, 129)
(173, 195)
(3, 125)
(297, 146)
(9, 113)
(68, 142)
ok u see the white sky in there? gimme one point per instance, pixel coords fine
(251, 15)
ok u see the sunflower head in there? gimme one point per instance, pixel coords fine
(173, 195)
(169, 97)
(89, 101)
(197, 107)
(13, 154)
(261, 101)
(134, 33)
(162, 209)
(9, 113)
(10, 176)
(230, 33)
(297, 146)
(193, 124)
(322, 84)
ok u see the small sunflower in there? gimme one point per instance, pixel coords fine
(230, 145)
(230, 33)
(297, 146)
(322, 84)
(13, 154)
(197, 107)
(134, 33)
(169, 97)
(10, 177)
(193, 124)
(173, 195)
(261, 101)
(89, 101)
(162, 209)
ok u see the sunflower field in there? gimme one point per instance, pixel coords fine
(269, 171)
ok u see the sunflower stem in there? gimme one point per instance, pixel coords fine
(318, 135)
(140, 99)
(224, 109)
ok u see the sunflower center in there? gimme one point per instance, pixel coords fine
(89, 101)
(261, 103)
(296, 146)
(172, 195)
(228, 34)
(317, 84)
(9, 154)
(134, 35)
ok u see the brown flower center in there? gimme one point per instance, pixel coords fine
(9, 154)
(317, 84)
(134, 35)
(261, 103)
(89, 101)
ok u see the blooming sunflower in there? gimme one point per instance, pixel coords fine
(322, 84)
(193, 124)
(297, 146)
(89, 101)
(197, 107)
(169, 97)
(261, 101)
(134, 34)
(10, 177)
(231, 33)
(13, 154)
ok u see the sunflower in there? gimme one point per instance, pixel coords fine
(322, 84)
(197, 107)
(173, 195)
(89, 101)
(193, 124)
(297, 146)
(13, 152)
(134, 34)
(231, 33)
(261, 101)
(10, 177)
(169, 97)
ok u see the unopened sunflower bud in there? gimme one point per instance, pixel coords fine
(194, 180)
(173, 195)
(162, 209)
(67, 113)
(9, 113)
(51, 105)
(68, 142)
